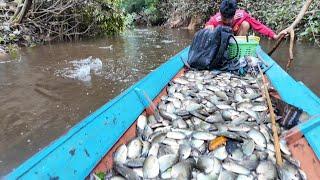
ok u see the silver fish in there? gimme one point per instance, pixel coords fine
(176, 135)
(151, 167)
(224, 107)
(166, 174)
(240, 127)
(200, 106)
(237, 155)
(221, 153)
(216, 166)
(168, 115)
(126, 172)
(257, 137)
(250, 162)
(266, 170)
(264, 130)
(244, 105)
(134, 148)
(165, 149)
(233, 167)
(203, 136)
(135, 163)
(205, 164)
(141, 123)
(146, 133)
(117, 178)
(145, 148)
(222, 95)
(245, 177)
(248, 147)
(251, 113)
(167, 161)
(259, 108)
(138, 171)
(239, 119)
(196, 143)
(226, 175)
(216, 117)
(184, 151)
(170, 108)
(191, 106)
(180, 81)
(229, 114)
(182, 170)
(179, 123)
(154, 149)
(238, 97)
(170, 142)
(120, 156)
(284, 148)
(210, 176)
(152, 119)
(289, 171)
(157, 137)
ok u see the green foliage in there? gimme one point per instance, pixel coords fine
(1, 39)
(274, 13)
(104, 16)
(101, 175)
(133, 6)
(280, 15)
(129, 19)
(145, 10)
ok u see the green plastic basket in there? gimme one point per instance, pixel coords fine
(245, 48)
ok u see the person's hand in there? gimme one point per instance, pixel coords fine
(282, 33)
(211, 27)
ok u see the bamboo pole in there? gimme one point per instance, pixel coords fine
(273, 120)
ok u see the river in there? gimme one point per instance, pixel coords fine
(47, 89)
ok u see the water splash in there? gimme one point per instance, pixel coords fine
(81, 69)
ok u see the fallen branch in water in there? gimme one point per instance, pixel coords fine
(290, 30)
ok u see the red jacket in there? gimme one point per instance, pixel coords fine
(239, 17)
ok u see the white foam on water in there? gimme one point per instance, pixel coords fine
(107, 47)
(82, 69)
(3, 62)
(167, 41)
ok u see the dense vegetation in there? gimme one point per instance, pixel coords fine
(34, 21)
(47, 20)
(278, 14)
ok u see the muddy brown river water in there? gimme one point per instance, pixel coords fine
(48, 89)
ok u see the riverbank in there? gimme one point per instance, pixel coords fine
(67, 21)
(192, 14)
(29, 22)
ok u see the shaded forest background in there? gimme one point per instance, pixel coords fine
(28, 22)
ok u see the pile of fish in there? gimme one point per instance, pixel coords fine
(211, 125)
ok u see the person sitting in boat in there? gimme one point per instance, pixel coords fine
(239, 20)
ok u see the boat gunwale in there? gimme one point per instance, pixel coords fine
(38, 157)
(31, 162)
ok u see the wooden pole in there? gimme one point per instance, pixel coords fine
(276, 45)
(273, 120)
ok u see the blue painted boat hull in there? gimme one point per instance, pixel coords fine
(74, 155)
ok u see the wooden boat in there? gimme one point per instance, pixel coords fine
(88, 147)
